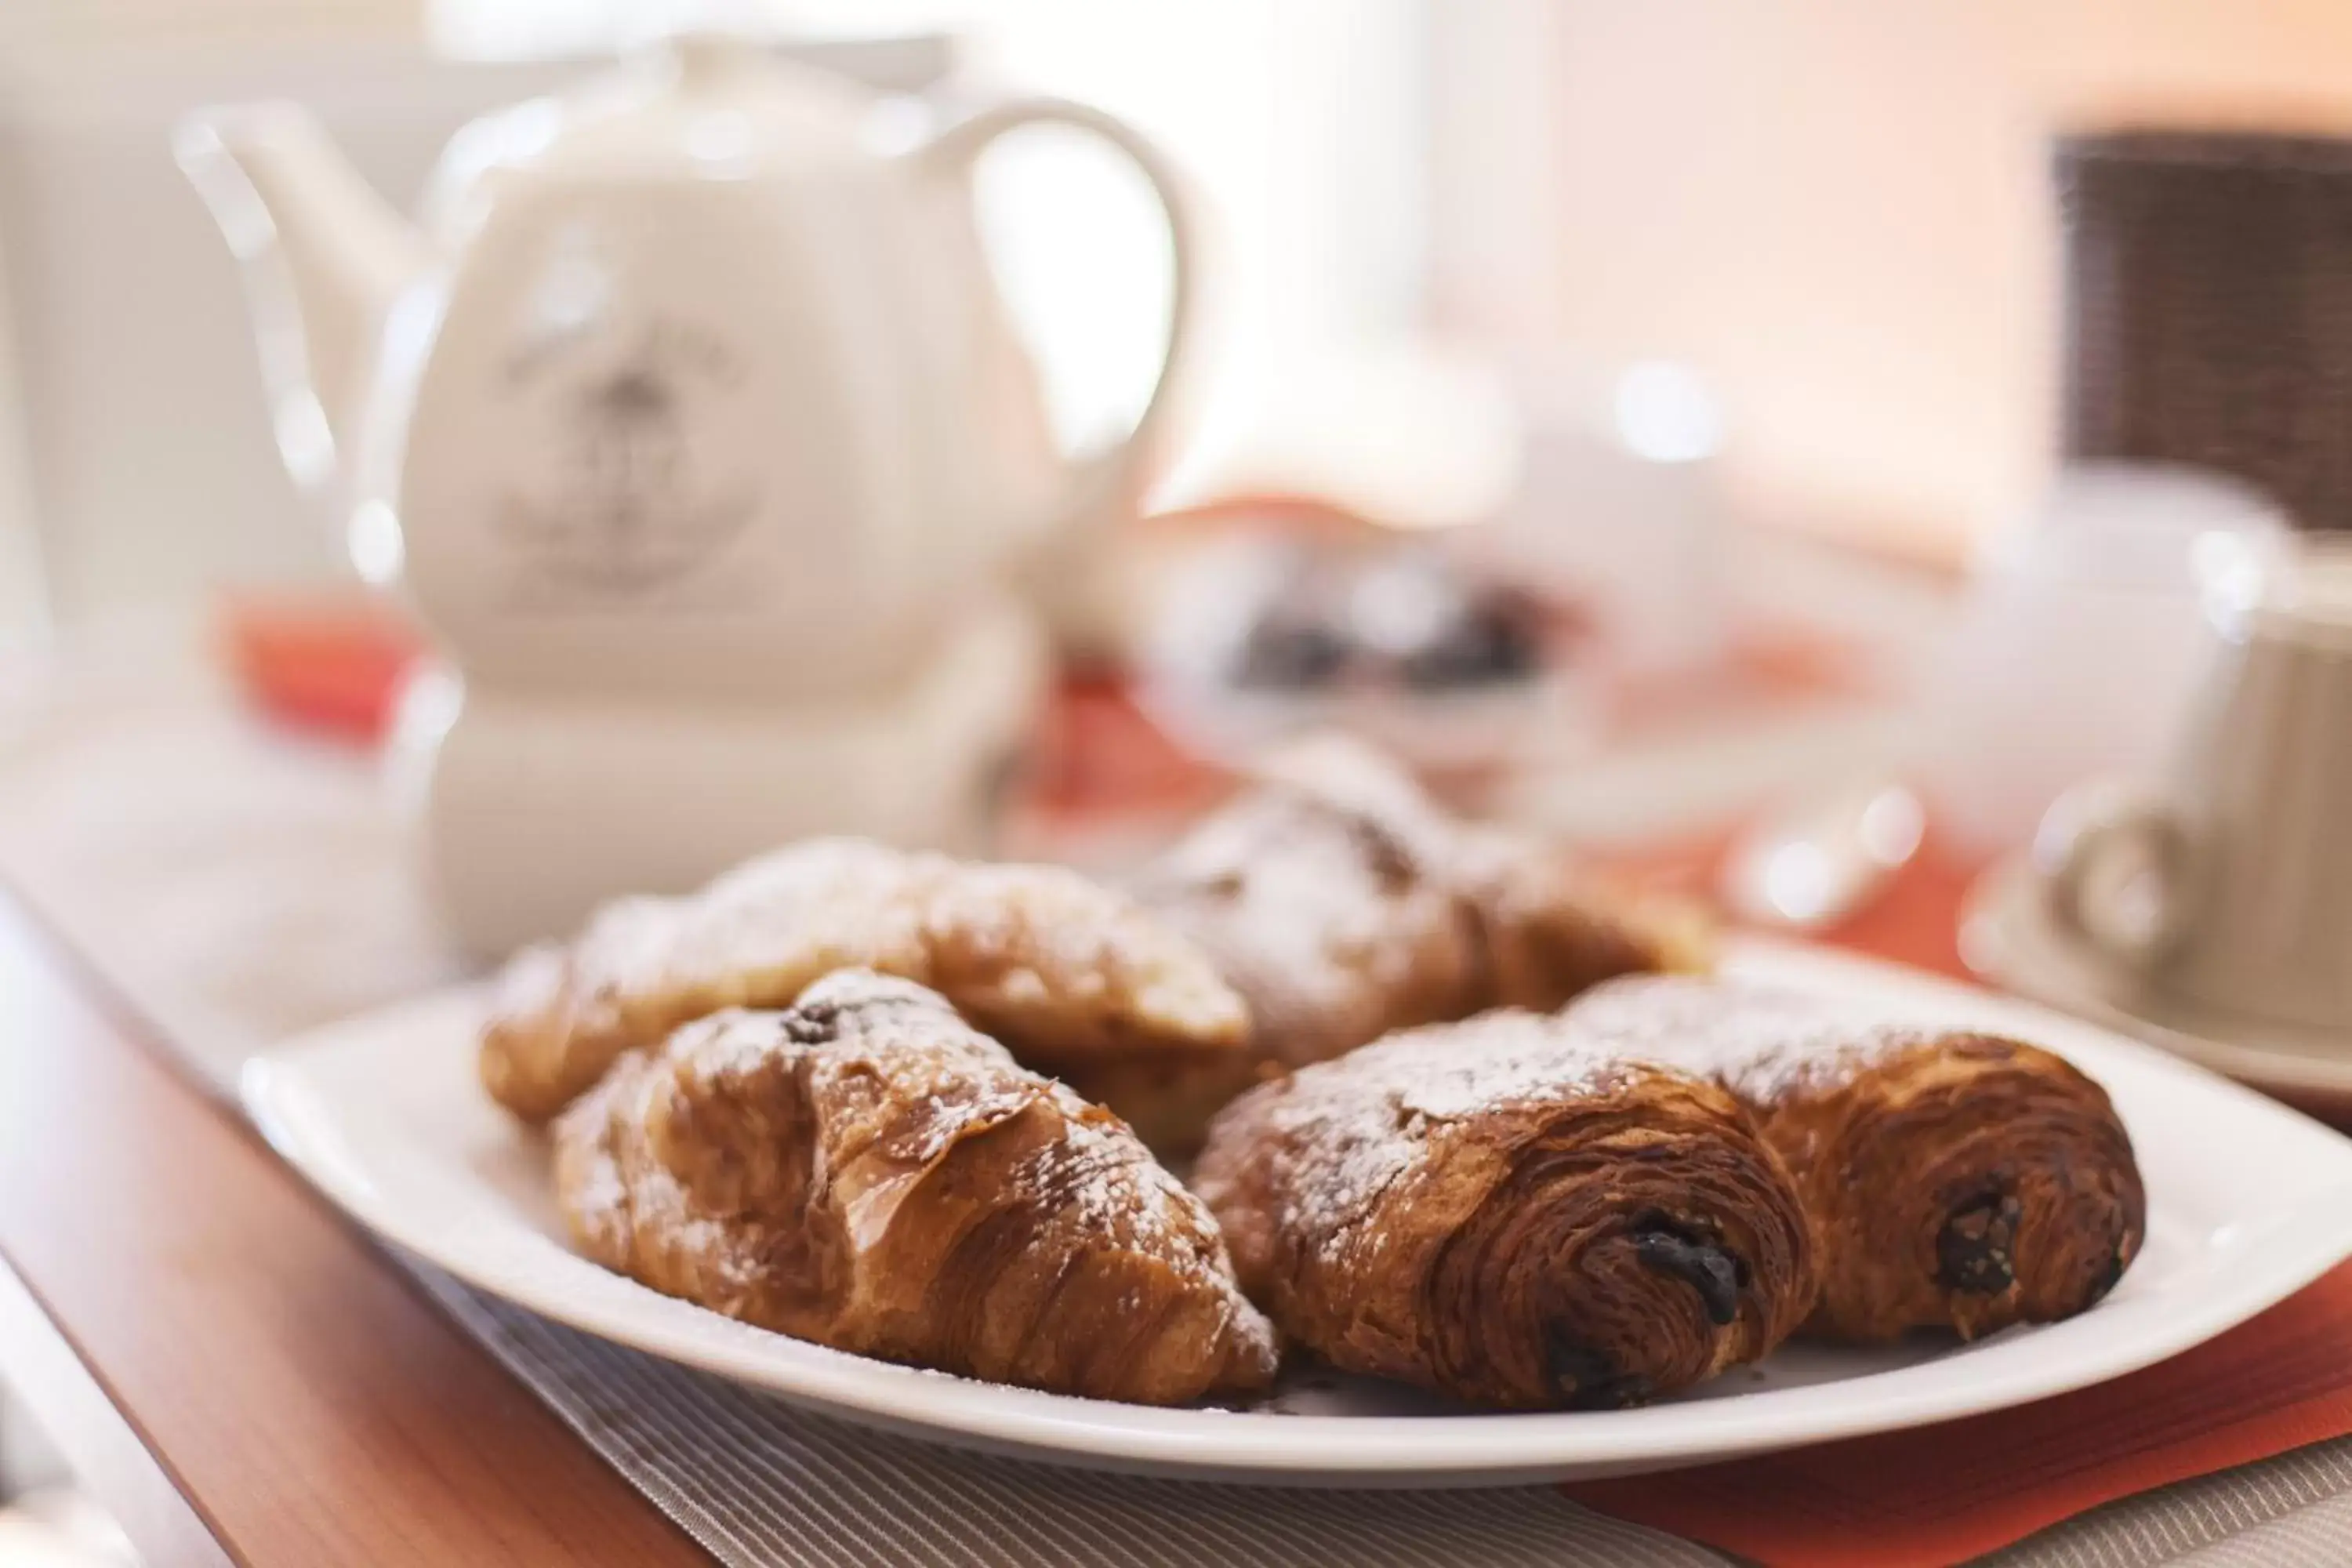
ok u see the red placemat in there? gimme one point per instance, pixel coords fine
(326, 660)
(1942, 1494)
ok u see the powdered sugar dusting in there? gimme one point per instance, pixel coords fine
(755, 1136)
(1311, 910)
(1343, 902)
(1763, 1043)
(1372, 1114)
(1328, 895)
(1115, 1190)
(1060, 967)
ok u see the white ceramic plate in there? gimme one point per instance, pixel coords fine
(2248, 1202)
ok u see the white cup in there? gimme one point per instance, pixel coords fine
(2079, 651)
(2242, 896)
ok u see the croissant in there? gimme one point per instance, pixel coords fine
(1500, 1212)
(1063, 972)
(866, 1171)
(1343, 904)
(1956, 1178)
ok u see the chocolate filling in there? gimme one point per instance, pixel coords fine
(2108, 1276)
(1715, 1274)
(1973, 1252)
(1590, 1380)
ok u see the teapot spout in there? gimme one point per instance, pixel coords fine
(324, 259)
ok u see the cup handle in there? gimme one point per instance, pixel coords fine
(2081, 835)
(1101, 478)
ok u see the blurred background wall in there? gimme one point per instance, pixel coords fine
(136, 461)
(1836, 209)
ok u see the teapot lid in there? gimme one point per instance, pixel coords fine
(699, 105)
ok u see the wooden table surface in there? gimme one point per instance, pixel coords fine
(237, 1374)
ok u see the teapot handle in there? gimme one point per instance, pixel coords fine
(1101, 478)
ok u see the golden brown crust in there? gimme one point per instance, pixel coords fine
(1344, 904)
(1061, 970)
(1957, 1180)
(865, 1172)
(1168, 1096)
(1552, 932)
(1323, 898)
(1496, 1211)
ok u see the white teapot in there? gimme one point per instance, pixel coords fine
(691, 399)
(685, 385)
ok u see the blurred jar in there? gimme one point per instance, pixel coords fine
(2209, 306)
(2083, 640)
(1622, 505)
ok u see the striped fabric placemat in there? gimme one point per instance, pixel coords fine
(761, 1482)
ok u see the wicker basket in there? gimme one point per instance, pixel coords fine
(2208, 295)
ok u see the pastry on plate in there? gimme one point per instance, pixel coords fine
(1956, 1178)
(864, 1170)
(1343, 903)
(1067, 973)
(1499, 1210)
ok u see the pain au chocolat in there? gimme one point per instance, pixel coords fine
(1956, 1178)
(1502, 1211)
